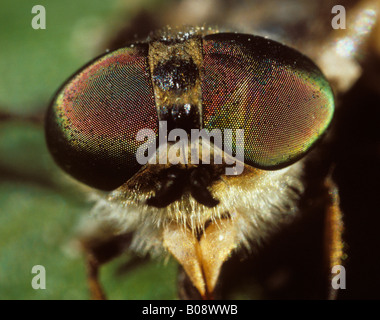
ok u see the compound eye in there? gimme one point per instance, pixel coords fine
(275, 94)
(92, 123)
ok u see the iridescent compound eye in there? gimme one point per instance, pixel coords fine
(92, 124)
(277, 95)
(226, 81)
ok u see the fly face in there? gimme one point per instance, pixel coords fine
(193, 80)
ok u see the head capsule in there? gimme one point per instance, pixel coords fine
(275, 94)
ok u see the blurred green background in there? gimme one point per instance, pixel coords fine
(38, 211)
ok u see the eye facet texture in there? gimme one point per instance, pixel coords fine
(277, 95)
(92, 124)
